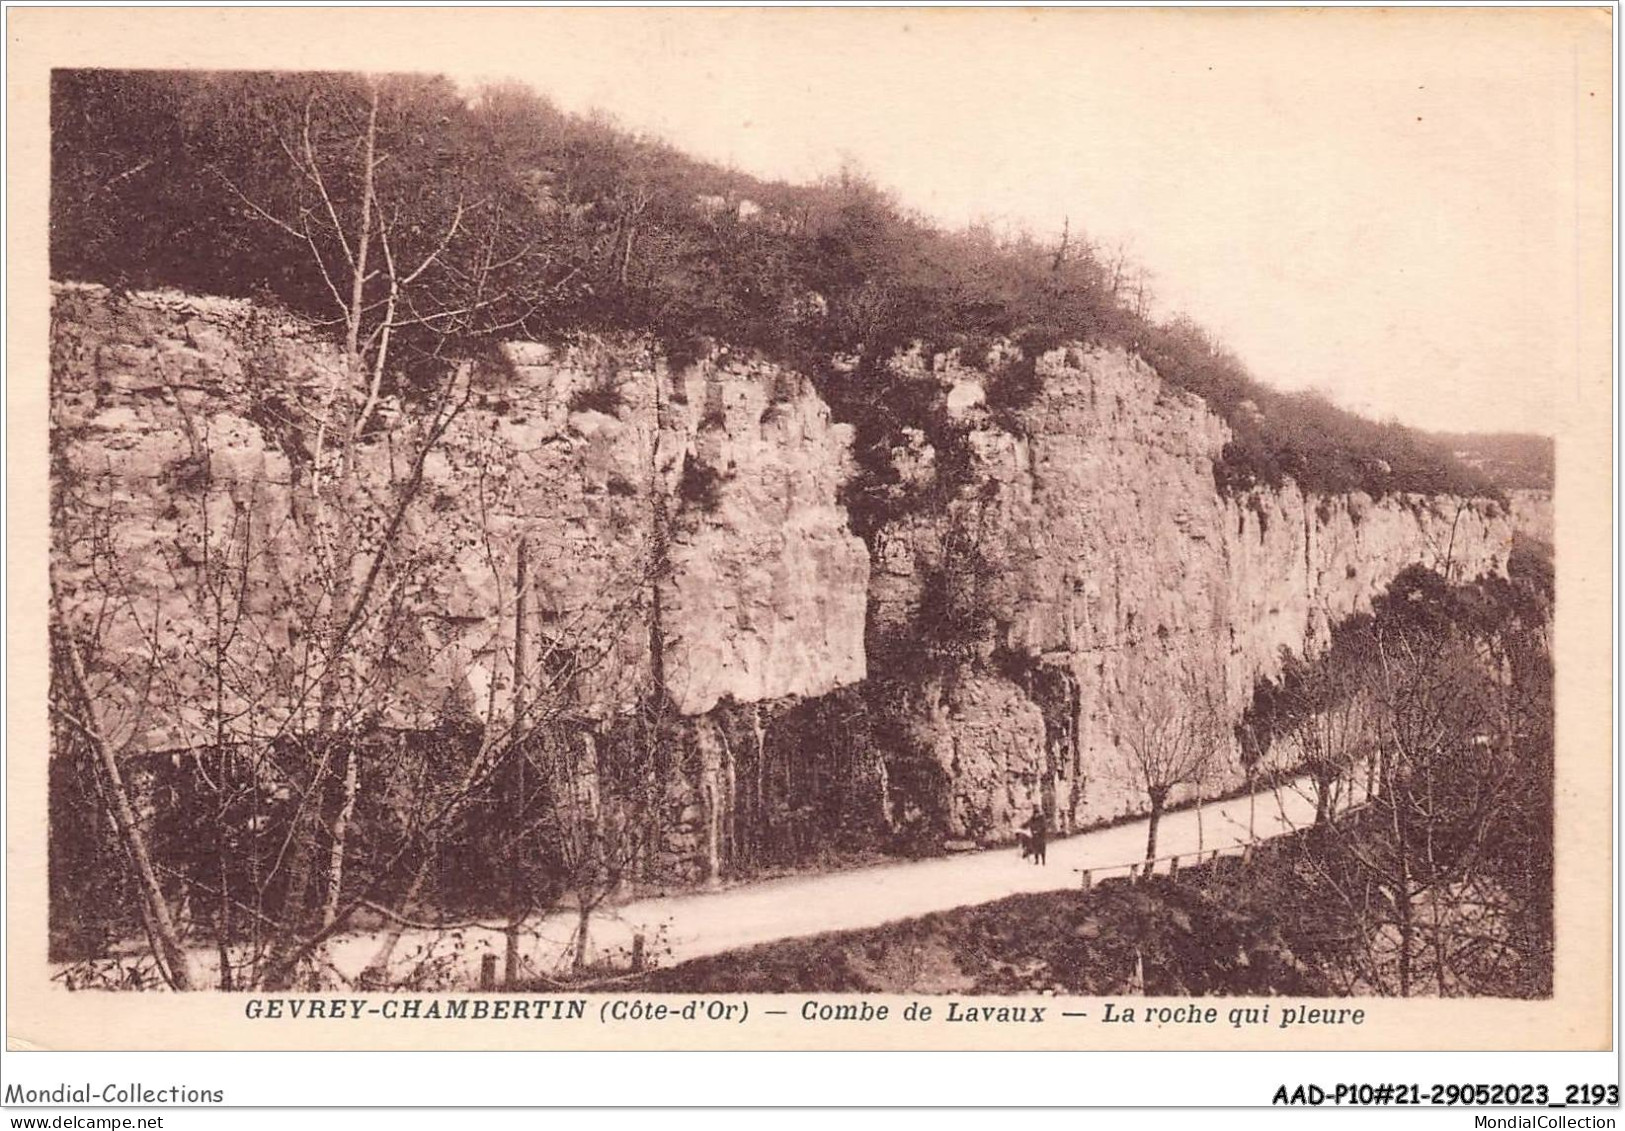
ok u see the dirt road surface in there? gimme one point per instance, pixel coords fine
(691, 925)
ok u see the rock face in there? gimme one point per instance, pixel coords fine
(169, 410)
(1118, 570)
(680, 523)
(768, 582)
(1532, 513)
(683, 526)
(731, 467)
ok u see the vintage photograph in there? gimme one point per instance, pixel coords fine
(507, 536)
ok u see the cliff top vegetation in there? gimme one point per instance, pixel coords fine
(544, 223)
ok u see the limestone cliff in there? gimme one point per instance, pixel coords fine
(1532, 513)
(1115, 568)
(183, 427)
(684, 524)
(192, 549)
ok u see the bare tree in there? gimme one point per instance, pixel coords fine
(1320, 711)
(77, 707)
(1169, 738)
(399, 259)
(275, 681)
(558, 683)
(1429, 903)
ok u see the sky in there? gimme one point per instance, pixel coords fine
(1379, 206)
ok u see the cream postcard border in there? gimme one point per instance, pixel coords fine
(40, 1015)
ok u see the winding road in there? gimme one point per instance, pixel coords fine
(695, 924)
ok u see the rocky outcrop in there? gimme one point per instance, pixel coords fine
(183, 432)
(1113, 566)
(682, 525)
(1532, 513)
(768, 582)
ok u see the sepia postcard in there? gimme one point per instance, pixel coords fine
(885, 528)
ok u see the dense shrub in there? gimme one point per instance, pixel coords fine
(701, 485)
(604, 397)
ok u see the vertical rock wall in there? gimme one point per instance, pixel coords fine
(1118, 568)
(677, 525)
(685, 525)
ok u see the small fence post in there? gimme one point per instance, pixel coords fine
(637, 951)
(1173, 868)
(1247, 856)
(1133, 873)
(1088, 878)
(488, 973)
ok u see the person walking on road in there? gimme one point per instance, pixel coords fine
(1034, 838)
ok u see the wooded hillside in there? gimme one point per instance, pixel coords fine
(243, 183)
